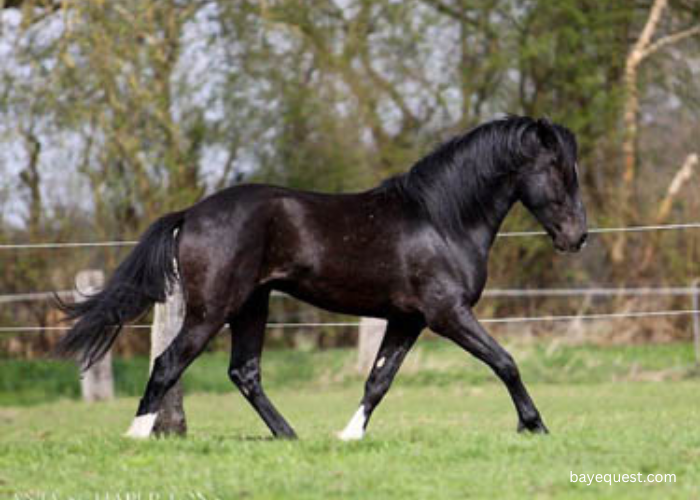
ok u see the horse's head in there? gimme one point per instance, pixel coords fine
(548, 185)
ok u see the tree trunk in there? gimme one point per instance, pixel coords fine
(643, 48)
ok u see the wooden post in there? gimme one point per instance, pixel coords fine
(167, 322)
(97, 383)
(696, 320)
(369, 339)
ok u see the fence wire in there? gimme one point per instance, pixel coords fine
(522, 319)
(564, 292)
(506, 234)
(489, 292)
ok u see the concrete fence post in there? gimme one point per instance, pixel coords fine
(96, 383)
(696, 319)
(167, 321)
(369, 339)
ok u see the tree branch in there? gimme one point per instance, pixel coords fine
(450, 11)
(52, 5)
(670, 40)
(684, 174)
(648, 32)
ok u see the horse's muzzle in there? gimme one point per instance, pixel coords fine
(571, 245)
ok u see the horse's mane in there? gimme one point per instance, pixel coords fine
(456, 180)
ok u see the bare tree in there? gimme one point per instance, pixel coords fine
(644, 47)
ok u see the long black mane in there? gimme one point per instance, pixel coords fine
(456, 182)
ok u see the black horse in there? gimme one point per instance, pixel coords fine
(413, 250)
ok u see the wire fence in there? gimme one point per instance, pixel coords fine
(692, 291)
(489, 292)
(521, 319)
(35, 296)
(506, 234)
(607, 230)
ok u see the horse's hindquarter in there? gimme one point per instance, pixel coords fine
(339, 252)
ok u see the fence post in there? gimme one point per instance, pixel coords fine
(167, 321)
(369, 339)
(96, 383)
(696, 319)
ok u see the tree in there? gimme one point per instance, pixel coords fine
(644, 47)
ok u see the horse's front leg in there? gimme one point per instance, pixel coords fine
(398, 340)
(460, 325)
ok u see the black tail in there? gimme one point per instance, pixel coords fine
(143, 278)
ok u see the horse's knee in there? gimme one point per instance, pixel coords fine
(245, 376)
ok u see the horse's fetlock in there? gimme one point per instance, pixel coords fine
(530, 418)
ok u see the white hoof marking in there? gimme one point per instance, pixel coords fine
(355, 429)
(142, 426)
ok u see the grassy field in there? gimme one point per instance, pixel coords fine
(446, 430)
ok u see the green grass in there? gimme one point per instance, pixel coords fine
(446, 430)
(432, 362)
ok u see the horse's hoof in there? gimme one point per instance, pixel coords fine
(141, 427)
(134, 436)
(537, 427)
(348, 436)
(355, 430)
(351, 433)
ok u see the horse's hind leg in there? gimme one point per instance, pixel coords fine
(247, 335)
(169, 366)
(462, 327)
(398, 340)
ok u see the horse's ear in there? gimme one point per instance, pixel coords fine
(546, 133)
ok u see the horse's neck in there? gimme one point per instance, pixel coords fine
(483, 232)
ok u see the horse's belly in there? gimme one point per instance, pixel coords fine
(342, 294)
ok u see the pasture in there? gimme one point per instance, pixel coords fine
(446, 430)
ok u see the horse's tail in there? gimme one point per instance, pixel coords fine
(143, 278)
